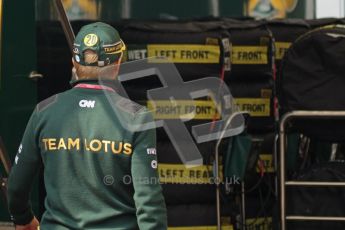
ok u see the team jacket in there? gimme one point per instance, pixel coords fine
(100, 165)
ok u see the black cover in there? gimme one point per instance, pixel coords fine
(259, 211)
(312, 78)
(138, 34)
(320, 22)
(287, 31)
(318, 201)
(255, 89)
(196, 215)
(249, 33)
(184, 192)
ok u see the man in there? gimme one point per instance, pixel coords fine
(96, 169)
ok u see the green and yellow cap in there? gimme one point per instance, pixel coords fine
(100, 38)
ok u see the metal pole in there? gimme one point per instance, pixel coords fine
(313, 218)
(310, 9)
(126, 9)
(219, 227)
(275, 151)
(243, 199)
(65, 23)
(282, 172)
(4, 157)
(3, 188)
(228, 122)
(5, 160)
(314, 183)
(214, 7)
(314, 114)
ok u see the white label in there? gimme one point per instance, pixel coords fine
(154, 164)
(151, 151)
(87, 104)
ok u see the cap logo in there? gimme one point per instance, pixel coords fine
(114, 48)
(90, 39)
(76, 50)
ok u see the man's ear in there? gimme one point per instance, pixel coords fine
(73, 62)
(117, 66)
(74, 70)
(76, 65)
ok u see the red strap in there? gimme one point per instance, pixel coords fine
(90, 86)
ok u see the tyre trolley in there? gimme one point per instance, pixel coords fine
(284, 183)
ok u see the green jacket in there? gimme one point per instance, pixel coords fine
(98, 174)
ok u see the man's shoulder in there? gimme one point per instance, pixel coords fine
(52, 100)
(128, 106)
(47, 103)
(135, 117)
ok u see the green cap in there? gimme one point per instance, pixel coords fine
(101, 38)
